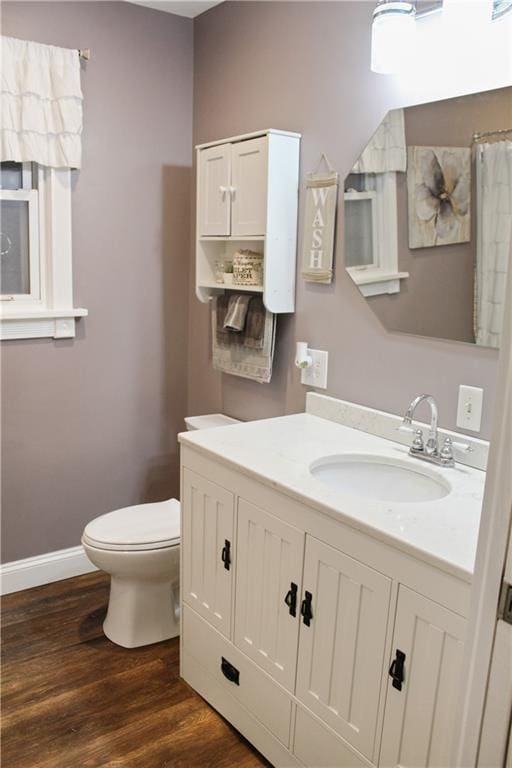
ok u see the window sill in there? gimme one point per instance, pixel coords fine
(40, 323)
(377, 284)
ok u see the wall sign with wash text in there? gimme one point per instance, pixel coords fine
(319, 224)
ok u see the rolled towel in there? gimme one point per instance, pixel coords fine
(237, 312)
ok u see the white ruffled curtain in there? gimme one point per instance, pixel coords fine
(387, 150)
(494, 217)
(41, 104)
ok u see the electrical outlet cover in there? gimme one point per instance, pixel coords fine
(316, 374)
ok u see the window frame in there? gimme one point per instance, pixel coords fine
(35, 296)
(52, 314)
(382, 277)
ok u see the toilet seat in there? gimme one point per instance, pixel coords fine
(138, 528)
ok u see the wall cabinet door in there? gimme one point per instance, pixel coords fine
(214, 197)
(207, 551)
(249, 183)
(269, 568)
(419, 718)
(341, 652)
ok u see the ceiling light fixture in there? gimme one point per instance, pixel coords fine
(393, 30)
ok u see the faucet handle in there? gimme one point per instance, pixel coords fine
(417, 443)
(446, 452)
(449, 445)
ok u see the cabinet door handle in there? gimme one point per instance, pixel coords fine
(396, 670)
(291, 599)
(306, 610)
(223, 190)
(229, 671)
(226, 554)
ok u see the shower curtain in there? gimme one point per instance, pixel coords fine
(494, 224)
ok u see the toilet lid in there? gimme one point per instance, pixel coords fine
(145, 526)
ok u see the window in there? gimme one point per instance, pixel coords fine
(371, 245)
(35, 252)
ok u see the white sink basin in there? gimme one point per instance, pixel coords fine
(380, 478)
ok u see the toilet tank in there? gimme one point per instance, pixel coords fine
(208, 421)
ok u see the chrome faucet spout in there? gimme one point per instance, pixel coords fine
(430, 451)
(432, 445)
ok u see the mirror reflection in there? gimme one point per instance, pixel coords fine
(428, 218)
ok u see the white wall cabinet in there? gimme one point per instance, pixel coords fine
(214, 199)
(247, 197)
(317, 617)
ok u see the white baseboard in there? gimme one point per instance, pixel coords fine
(43, 569)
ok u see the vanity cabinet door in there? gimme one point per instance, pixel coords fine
(214, 197)
(249, 182)
(342, 643)
(207, 549)
(420, 711)
(269, 570)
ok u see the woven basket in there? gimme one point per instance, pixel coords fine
(247, 268)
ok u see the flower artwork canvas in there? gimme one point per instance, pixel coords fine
(439, 195)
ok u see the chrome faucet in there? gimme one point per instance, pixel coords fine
(430, 451)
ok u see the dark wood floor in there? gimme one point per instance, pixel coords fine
(73, 699)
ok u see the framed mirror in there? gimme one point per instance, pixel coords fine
(428, 218)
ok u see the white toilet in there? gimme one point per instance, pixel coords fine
(139, 547)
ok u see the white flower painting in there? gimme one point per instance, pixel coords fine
(439, 194)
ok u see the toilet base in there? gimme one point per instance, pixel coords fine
(141, 612)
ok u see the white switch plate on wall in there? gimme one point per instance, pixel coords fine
(316, 374)
(469, 408)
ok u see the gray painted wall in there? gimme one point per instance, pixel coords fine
(305, 67)
(90, 424)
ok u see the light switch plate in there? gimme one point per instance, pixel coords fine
(316, 374)
(469, 408)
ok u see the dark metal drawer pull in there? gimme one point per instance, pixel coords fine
(230, 672)
(306, 610)
(396, 670)
(226, 554)
(291, 599)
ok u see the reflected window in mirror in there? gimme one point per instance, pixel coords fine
(450, 215)
(501, 8)
(371, 254)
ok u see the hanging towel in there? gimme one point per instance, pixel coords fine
(235, 317)
(248, 353)
(252, 336)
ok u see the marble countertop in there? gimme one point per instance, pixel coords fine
(279, 452)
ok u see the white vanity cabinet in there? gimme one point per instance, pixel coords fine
(294, 643)
(247, 199)
(419, 718)
(270, 555)
(342, 646)
(207, 553)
